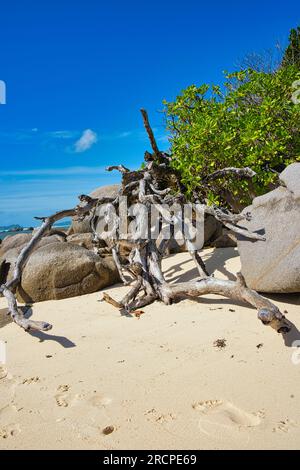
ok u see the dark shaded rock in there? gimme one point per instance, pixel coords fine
(226, 240)
(212, 229)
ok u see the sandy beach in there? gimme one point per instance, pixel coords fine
(99, 380)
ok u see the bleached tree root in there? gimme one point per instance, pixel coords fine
(150, 285)
(268, 313)
(115, 254)
(156, 183)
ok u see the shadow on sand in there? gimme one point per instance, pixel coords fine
(62, 340)
(5, 319)
(216, 261)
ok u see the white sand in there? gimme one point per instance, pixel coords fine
(158, 380)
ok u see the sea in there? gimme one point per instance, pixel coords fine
(8, 233)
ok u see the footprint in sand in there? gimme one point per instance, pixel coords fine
(99, 400)
(30, 380)
(218, 413)
(284, 426)
(3, 372)
(7, 410)
(62, 396)
(11, 430)
(154, 415)
(165, 418)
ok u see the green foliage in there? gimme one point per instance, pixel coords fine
(292, 52)
(250, 121)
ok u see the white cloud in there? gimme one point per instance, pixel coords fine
(86, 141)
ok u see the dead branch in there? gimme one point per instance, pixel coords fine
(121, 168)
(150, 132)
(268, 313)
(238, 172)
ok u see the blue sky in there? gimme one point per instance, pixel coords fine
(77, 72)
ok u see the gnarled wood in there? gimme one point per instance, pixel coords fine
(152, 189)
(156, 183)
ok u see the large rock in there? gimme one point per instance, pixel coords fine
(7, 263)
(13, 246)
(212, 229)
(14, 241)
(226, 240)
(62, 270)
(82, 239)
(274, 265)
(290, 178)
(106, 191)
(83, 226)
(19, 241)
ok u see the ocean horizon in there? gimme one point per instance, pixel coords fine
(10, 233)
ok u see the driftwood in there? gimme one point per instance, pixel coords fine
(156, 184)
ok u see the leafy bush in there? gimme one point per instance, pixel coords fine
(249, 121)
